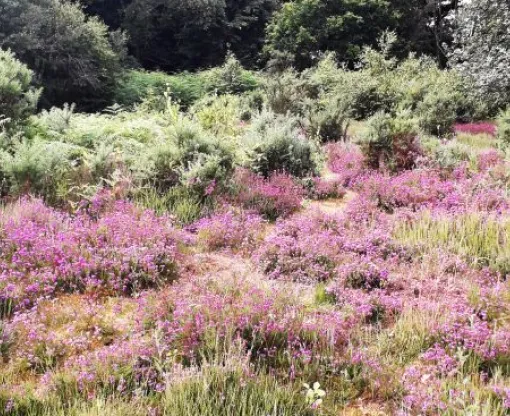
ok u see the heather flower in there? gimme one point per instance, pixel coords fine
(476, 128)
(277, 196)
(234, 229)
(45, 252)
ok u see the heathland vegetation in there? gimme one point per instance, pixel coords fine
(254, 207)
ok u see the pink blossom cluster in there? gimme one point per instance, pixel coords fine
(277, 196)
(427, 188)
(234, 229)
(321, 188)
(347, 161)
(476, 128)
(44, 252)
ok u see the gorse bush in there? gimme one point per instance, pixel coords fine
(220, 114)
(231, 78)
(328, 120)
(187, 155)
(391, 142)
(275, 144)
(18, 99)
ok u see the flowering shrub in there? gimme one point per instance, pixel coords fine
(45, 252)
(232, 229)
(426, 188)
(489, 159)
(476, 128)
(347, 161)
(277, 196)
(319, 188)
(199, 317)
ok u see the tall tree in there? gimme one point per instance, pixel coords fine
(188, 34)
(303, 29)
(482, 48)
(74, 57)
(424, 26)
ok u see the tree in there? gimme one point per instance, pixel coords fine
(424, 27)
(303, 29)
(110, 11)
(482, 49)
(189, 34)
(74, 57)
(18, 99)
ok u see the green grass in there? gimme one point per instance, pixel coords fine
(478, 141)
(179, 201)
(213, 391)
(480, 239)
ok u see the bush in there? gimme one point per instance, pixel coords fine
(231, 78)
(17, 98)
(391, 142)
(449, 155)
(188, 155)
(42, 168)
(277, 196)
(504, 127)
(328, 119)
(285, 92)
(134, 86)
(437, 110)
(219, 114)
(275, 144)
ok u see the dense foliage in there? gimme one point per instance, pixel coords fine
(174, 34)
(18, 98)
(482, 49)
(324, 239)
(74, 56)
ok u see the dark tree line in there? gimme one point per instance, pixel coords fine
(78, 51)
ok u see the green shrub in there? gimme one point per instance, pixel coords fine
(56, 121)
(42, 168)
(135, 86)
(219, 114)
(504, 127)
(440, 105)
(391, 142)
(274, 143)
(286, 92)
(449, 155)
(17, 98)
(328, 118)
(231, 78)
(188, 155)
